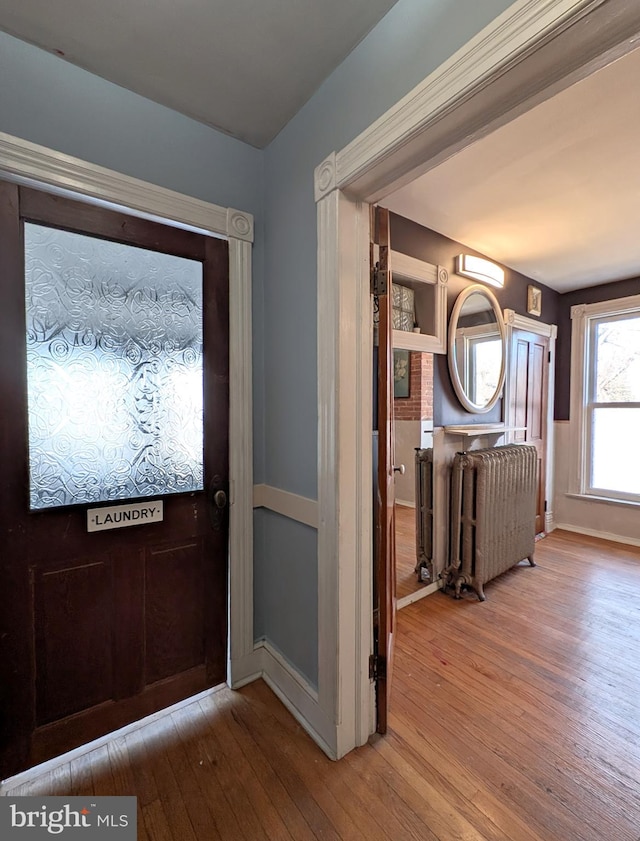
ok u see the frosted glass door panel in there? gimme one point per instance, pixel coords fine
(114, 367)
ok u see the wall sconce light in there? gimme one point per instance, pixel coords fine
(477, 268)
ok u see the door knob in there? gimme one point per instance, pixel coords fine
(220, 499)
(401, 469)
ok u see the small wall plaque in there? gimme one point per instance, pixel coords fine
(534, 300)
(120, 516)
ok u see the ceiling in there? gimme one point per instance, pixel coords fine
(244, 67)
(555, 194)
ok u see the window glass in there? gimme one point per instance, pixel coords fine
(617, 350)
(612, 461)
(114, 368)
(616, 456)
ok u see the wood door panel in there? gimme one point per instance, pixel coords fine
(98, 629)
(535, 413)
(384, 541)
(74, 610)
(529, 372)
(87, 725)
(520, 389)
(174, 614)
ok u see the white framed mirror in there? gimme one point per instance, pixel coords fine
(419, 304)
(477, 349)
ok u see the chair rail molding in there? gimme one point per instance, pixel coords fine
(42, 168)
(532, 51)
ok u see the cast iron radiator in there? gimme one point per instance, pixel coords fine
(493, 508)
(424, 514)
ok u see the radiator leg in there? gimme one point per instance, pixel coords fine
(530, 559)
(480, 591)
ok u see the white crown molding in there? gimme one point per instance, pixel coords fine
(523, 322)
(404, 267)
(22, 159)
(395, 148)
(614, 306)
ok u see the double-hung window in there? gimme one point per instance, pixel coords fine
(605, 405)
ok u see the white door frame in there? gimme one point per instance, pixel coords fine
(46, 169)
(531, 52)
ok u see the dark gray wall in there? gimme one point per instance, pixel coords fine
(589, 295)
(411, 238)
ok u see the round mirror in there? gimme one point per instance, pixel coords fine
(477, 349)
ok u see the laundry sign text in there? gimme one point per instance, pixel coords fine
(119, 516)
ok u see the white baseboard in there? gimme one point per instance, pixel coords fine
(406, 503)
(298, 696)
(603, 535)
(419, 594)
(245, 670)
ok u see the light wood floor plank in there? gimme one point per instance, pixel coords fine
(516, 719)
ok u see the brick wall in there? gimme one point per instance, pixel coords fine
(419, 404)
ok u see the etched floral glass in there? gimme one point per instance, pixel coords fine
(114, 369)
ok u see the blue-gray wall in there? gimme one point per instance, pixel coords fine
(414, 38)
(48, 101)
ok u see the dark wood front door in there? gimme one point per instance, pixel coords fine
(114, 388)
(529, 376)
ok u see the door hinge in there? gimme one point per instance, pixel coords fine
(379, 281)
(549, 358)
(545, 506)
(377, 667)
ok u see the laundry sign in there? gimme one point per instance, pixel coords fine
(119, 516)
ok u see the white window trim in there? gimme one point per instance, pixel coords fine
(581, 316)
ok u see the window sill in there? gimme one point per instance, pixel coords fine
(606, 499)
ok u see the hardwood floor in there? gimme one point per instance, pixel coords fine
(516, 719)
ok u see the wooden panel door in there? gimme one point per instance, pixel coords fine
(384, 531)
(530, 373)
(101, 628)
